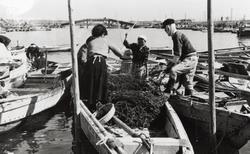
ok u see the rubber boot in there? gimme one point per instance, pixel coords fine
(169, 86)
(189, 92)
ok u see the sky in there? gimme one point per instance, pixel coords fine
(123, 9)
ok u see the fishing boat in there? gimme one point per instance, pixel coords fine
(14, 74)
(108, 140)
(57, 49)
(244, 30)
(232, 114)
(232, 108)
(17, 50)
(39, 92)
(231, 97)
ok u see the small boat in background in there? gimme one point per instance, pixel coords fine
(13, 75)
(57, 49)
(244, 30)
(17, 49)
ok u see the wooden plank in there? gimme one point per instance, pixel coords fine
(19, 97)
(246, 77)
(177, 126)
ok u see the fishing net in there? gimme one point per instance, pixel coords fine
(137, 103)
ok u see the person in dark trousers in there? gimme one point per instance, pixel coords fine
(140, 54)
(93, 76)
(185, 58)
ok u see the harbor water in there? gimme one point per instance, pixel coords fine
(50, 132)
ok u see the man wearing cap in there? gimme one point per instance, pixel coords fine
(140, 56)
(185, 58)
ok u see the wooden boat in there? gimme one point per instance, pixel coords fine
(39, 92)
(57, 49)
(244, 30)
(232, 115)
(233, 111)
(234, 54)
(173, 140)
(14, 75)
(17, 50)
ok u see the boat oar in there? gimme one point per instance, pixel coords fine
(144, 139)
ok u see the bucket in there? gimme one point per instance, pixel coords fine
(126, 66)
(105, 113)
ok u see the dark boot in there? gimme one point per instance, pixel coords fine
(169, 86)
(189, 92)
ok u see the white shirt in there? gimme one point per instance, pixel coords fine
(5, 54)
(99, 45)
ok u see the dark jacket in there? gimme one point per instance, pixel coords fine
(140, 54)
(182, 46)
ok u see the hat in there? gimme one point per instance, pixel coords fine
(168, 21)
(143, 37)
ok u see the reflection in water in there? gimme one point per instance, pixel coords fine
(47, 132)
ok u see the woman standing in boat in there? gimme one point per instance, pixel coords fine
(93, 77)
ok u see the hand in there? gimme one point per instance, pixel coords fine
(126, 35)
(125, 58)
(175, 60)
(99, 105)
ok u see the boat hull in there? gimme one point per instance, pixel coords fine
(176, 142)
(39, 92)
(231, 125)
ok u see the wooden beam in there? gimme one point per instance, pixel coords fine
(75, 82)
(211, 60)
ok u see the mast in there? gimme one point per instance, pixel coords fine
(211, 59)
(75, 81)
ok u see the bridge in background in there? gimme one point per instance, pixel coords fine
(110, 23)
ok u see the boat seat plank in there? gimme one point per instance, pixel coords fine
(31, 90)
(157, 141)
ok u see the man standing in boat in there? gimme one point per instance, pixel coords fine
(140, 56)
(185, 58)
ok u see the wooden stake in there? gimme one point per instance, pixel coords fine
(46, 62)
(211, 77)
(75, 81)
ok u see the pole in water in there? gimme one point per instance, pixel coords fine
(75, 83)
(211, 77)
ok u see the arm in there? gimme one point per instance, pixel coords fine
(177, 48)
(115, 50)
(82, 54)
(125, 42)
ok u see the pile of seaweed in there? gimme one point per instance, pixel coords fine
(137, 103)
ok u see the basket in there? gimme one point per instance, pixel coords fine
(105, 113)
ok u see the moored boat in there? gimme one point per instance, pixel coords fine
(39, 92)
(232, 115)
(172, 140)
(57, 49)
(17, 50)
(14, 75)
(244, 30)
